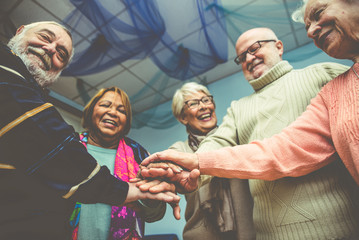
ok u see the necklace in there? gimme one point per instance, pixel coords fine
(355, 71)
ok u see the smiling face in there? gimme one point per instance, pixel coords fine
(264, 58)
(108, 121)
(45, 50)
(199, 120)
(332, 24)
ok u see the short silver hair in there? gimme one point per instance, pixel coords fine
(35, 24)
(180, 95)
(298, 14)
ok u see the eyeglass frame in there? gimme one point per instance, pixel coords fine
(198, 101)
(237, 59)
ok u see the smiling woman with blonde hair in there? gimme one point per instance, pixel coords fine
(194, 107)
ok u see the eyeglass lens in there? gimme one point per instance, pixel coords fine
(194, 103)
(251, 50)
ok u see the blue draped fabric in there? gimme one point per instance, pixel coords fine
(198, 53)
(133, 29)
(132, 35)
(119, 30)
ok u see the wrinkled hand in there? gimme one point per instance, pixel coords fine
(153, 185)
(134, 194)
(184, 180)
(160, 170)
(186, 160)
(157, 186)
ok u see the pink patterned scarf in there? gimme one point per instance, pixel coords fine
(123, 219)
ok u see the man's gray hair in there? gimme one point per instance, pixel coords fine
(187, 89)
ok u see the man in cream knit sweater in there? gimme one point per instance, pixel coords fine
(320, 205)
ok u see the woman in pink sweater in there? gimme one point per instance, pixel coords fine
(329, 126)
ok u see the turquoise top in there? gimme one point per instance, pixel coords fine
(95, 219)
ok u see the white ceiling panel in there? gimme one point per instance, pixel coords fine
(98, 78)
(146, 103)
(29, 11)
(61, 9)
(128, 82)
(84, 100)
(66, 86)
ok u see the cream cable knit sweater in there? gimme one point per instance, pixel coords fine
(316, 206)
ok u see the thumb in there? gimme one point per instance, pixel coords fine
(193, 177)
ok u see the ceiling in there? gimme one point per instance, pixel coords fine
(135, 74)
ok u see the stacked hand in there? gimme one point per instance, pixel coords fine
(169, 196)
(157, 166)
(183, 180)
(160, 179)
(186, 160)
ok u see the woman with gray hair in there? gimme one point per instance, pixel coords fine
(193, 106)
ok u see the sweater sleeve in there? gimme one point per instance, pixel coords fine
(226, 134)
(301, 148)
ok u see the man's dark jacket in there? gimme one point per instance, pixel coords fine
(42, 161)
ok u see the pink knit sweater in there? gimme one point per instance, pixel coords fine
(330, 125)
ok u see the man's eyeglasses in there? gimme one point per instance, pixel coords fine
(251, 50)
(194, 103)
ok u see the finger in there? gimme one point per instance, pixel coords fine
(176, 210)
(162, 173)
(168, 197)
(142, 185)
(159, 196)
(134, 180)
(163, 165)
(193, 179)
(145, 185)
(149, 159)
(175, 197)
(194, 174)
(157, 173)
(176, 168)
(145, 173)
(162, 186)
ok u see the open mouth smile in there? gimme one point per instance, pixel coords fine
(205, 116)
(109, 121)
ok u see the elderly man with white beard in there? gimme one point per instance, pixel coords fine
(44, 169)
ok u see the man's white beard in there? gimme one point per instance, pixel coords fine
(32, 62)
